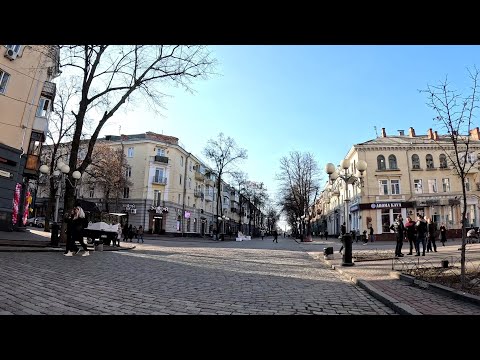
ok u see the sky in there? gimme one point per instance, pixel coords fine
(318, 99)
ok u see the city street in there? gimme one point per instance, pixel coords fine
(181, 276)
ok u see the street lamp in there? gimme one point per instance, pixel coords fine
(349, 179)
(58, 176)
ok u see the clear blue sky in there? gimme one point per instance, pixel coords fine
(322, 99)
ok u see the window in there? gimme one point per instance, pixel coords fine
(3, 81)
(417, 184)
(126, 193)
(432, 186)
(191, 166)
(180, 179)
(395, 187)
(188, 225)
(392, 162)
(130, 152)
(160, 152)
(194, 225)
(188, 200)
(157, 196)
(443, 161)
(181, 161)
(15, 48)
(429, 160)
(158, 175)
(381, 162)
(383, 187)
(446, 185)
(92, 192)
(128, 172)
(179, 198)
(189, 183)
(415, 161)
(43, 107)
(467, 184)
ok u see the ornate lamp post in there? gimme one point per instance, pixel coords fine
(59, 177)
(349, 179)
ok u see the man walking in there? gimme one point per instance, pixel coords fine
(275, 236)
(399, 230)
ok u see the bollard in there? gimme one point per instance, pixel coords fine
(347, 251)
(328, 253)
(445, 264)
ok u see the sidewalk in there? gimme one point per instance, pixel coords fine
(383, 279)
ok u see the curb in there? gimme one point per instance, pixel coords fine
(395, 305)
(442, 289)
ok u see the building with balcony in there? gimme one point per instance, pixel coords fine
(407, 174)
(26, 99)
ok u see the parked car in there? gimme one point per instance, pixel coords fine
(32, 221)
(40, 222)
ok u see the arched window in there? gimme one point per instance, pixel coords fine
(392, 162)
(415, 161)
(429, 160)
(443, 161)
(381, 162)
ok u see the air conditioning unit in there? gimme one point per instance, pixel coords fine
(11, 54)
(133, 211)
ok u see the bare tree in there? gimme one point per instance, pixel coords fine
(224, 153)
(256, 194)
(456, 112)
(239, 182)
(109, 172)
(111, 76)
(60, 130)
(299, 180)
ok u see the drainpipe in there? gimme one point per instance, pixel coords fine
(182, 221)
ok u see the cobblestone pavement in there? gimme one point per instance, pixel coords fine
(177, 277)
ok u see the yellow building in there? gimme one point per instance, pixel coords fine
(406, 174)
(26, 98)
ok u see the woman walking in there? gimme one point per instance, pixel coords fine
(77, 225)
(443, 234)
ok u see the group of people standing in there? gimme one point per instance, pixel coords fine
(129, 232)
(76, 222)
(423, 231)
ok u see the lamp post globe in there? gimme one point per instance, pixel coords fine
(76, 174)
(44, 169)
(65, 169)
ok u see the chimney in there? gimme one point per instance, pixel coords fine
(411, 132)
(435, 135)
(401, 132)
(474, 133)
(430, 134)
(384, 134)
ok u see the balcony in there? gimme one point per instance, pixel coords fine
(49, 90)
(209, 182)
(209, 196)
(159, 180)
(161, 159)
(199, 176)
(198, 194)
(40, 124)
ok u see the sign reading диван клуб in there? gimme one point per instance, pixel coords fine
(385, 205)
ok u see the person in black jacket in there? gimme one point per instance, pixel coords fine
(422, 229)
(343, 231)
(411, 233)
(399, 230)
(77, 224)
(71, 247)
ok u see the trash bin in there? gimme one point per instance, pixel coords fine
(445, 264)
(54, 234)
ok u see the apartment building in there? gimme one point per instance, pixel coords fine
(26, 98)
(172, 191)
(406, 174)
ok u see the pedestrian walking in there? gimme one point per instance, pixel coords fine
(70, 242)
(78, 223)
(410, 233)
(399, 230)
(275, 236)
(326, 234)
(125, 232)
(140, 233)
(421, 230)
(262, 233)
(443, 234)
(119, 235)
(371, 236)
(130, 232)
(135, 232)
(431, 236)
(343, 231)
